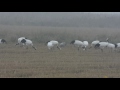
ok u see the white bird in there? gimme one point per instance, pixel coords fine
(3, 41)
(77, 43)
(50, 45)
(19, 40)
(85, 44)
(94, 43)
(118, 46)
(111, 46)
(53, 43)
(27, 42)
(102, 45)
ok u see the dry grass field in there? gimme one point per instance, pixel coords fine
(18, 62)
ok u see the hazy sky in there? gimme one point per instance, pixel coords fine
(82, 19)
(106, 12)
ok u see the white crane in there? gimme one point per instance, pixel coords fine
(53, 43)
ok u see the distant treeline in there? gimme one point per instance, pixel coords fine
(60, 19)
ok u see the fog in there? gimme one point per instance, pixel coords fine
(62, 19)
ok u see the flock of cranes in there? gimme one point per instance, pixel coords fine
(23, 41)
(85, 45)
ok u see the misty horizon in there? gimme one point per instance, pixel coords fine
(62, 19)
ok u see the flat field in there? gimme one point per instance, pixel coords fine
(18, 62)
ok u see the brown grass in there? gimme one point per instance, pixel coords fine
(17, 62)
